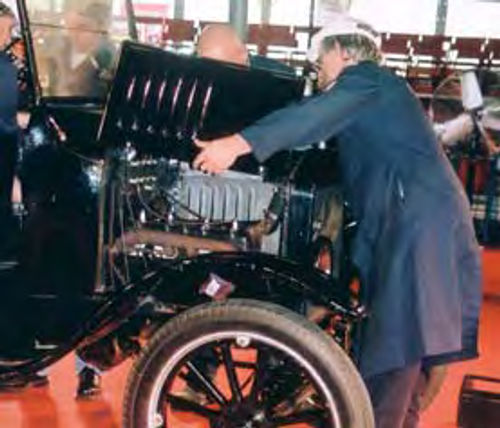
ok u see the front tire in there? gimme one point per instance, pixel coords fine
(244, 363)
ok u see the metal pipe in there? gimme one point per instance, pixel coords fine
(441, 16)
(191, 244)
(131, 20)
(312, 11)
(179, 9)
(238, 17)
(265, 12)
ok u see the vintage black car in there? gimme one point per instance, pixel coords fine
(122, 250)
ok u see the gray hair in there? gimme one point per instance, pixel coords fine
(6, 11)
(357, 47)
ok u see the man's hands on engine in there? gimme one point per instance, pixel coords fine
(218, 155)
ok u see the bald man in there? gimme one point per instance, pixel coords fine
(222, 43)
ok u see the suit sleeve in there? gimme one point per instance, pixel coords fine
(8, 97)
(311, 120)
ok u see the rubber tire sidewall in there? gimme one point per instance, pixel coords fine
(329, 360)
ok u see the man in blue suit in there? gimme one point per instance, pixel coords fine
(8, 126)
(415, 246)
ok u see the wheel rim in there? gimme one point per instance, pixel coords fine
(241, 379)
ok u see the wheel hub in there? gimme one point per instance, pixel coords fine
(243, 415)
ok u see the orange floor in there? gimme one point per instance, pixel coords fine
(55, 407)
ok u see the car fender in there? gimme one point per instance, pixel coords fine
(218, 276)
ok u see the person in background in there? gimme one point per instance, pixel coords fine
(87, 71)
(8, 128)
(84, 67)
(89, 379)
(222, 43)
(415, 247)
(9, 134)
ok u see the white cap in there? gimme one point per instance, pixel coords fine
(341, 24)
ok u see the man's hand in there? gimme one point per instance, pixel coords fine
(218, 155)
(23, 119)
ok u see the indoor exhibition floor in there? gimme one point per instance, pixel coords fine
(54, 406)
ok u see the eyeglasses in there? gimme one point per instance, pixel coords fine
(317, 65)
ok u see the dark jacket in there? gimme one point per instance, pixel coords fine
(8, 139)
(8, 96)
(415, 245)
(91, 78)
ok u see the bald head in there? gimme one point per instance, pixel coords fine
(221, 42)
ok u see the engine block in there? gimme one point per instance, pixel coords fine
(198, 204)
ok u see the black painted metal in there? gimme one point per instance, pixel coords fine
(68, 287)
(160, 101)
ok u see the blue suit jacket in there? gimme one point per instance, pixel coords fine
(8, 136)
(415, 246)
(8, 96)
